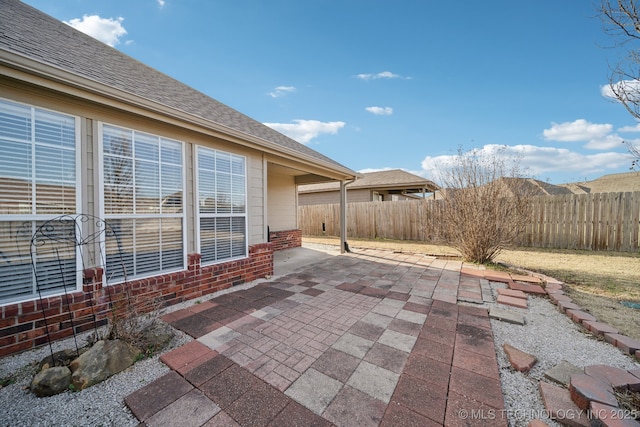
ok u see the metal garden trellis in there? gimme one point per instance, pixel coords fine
(61, 249)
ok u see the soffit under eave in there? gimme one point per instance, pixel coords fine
(430, 187)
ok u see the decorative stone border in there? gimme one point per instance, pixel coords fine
(594, 390)
(566, 305)
(590, 398)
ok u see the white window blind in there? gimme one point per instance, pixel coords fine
(222, 205)
(38, 176)
(143, 186)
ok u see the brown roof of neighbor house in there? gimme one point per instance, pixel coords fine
(536, 187)
(612, 183)
(395, 179)
(30, 39)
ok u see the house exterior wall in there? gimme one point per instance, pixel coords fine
(359, 195)
(353, 196)
(21, 323)
(22, 326)
(319, 198)
(285, 239)
(328, 197)
(256, 199)
(90, 117)
(281, 211)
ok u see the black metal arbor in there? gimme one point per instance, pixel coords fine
(61, 250)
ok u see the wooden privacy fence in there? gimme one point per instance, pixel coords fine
(599, 221)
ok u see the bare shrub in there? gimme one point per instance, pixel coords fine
(137, 324)
(485, 204)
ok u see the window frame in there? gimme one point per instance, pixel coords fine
(134, 215)
(199, 215)
(33, 217)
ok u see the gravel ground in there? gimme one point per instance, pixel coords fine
(547, 334)
(99, 405)
(552, 337)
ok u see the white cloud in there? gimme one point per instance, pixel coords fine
(537, 161)
(606, 142)
(380, 111)
(281, 91)
(625, 129)
(630, 89)
(304, 131)
(161, 3)
(107, 30)
(381, 75)
(578, 130)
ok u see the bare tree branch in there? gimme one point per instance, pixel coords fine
(621, 21)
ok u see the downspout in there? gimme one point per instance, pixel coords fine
(344, 247)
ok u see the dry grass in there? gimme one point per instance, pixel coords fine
(597, 281)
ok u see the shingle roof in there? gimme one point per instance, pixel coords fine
(27, 32)
(612, 183)
(389, 179)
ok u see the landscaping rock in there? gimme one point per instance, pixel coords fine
(60, 358)
(520, 360)
(104, 359)
(51, 381)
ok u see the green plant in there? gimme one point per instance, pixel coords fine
(8, 380)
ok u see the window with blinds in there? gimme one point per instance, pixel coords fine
(38, 181)
(143, 186)
(222, 205)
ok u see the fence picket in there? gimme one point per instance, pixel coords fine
(599, 221)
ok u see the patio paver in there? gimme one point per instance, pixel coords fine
(371, 338)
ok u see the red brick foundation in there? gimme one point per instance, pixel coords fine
(285, 239)
(22, 325)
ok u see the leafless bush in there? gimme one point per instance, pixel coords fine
(485, 204)
(134, 323)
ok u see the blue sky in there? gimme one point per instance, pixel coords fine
(392, 84)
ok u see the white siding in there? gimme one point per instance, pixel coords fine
(282, 202)
(326, 197)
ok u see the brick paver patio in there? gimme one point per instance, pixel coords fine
(367, 339)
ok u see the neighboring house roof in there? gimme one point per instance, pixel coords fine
(396, 179)
(534, 187)
(612, 183)
(30, 39)
(528, 186)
